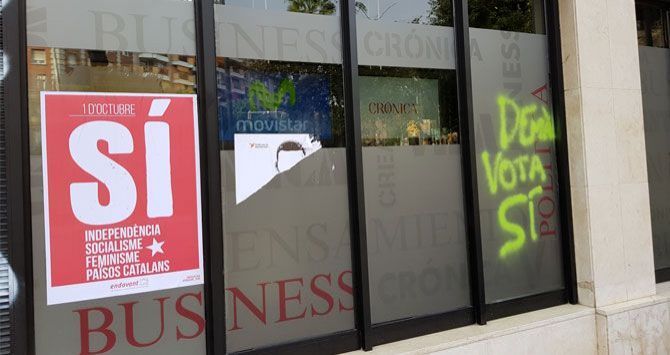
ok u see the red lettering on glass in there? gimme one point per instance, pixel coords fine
(130, 323)
(239, 295)
(188, 314)
(85, 331)
(346, 288)
(321, 293)
(283, 300)
(106, 330)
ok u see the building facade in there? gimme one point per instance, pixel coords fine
(280, 176)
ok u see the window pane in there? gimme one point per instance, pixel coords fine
(525, 16)
(38, 56)
(655, 80)
(124, 46)
(515, 144)
(411, 159)
(284, 172)
(650, 28)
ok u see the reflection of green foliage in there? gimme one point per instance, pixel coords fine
(270, 101)
(440, 13)
(504, 15)
(360, 7)
(319, 7)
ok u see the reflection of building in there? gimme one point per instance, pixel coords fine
(233, 81)
(178, 70)
(230, 83)
(61, 69)
(175, 72)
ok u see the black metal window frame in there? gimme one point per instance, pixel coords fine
(365, 335)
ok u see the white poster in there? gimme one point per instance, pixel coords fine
(261, 157)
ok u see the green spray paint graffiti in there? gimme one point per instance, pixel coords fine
(270, 101)
(507, 173)
(527, 128)
(521, 127)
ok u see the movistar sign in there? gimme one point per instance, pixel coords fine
(255, 102)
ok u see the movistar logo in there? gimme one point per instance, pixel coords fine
(270, 101)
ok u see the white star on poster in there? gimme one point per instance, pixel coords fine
(156, 247)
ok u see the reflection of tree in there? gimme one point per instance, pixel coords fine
(320, 7)
(440, 13)
(506, 15)
(240, 107)
(380, 13)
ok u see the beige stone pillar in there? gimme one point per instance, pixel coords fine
(609, 189)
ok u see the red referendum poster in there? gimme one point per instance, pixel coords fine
(121, 194)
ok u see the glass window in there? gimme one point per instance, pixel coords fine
(284, 172)
(526, 16)
(41, 81)
(125, 46)
(38, 56)
(515, 145)
(416, 237)
(655, 80)
(651, 26)
(284, 168)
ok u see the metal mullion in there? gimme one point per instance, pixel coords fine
(15, 100)
(211, 177)
(469, 159)
(562, 155)
(354, 148)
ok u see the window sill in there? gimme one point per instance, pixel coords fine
(663, 288)
(476, 333)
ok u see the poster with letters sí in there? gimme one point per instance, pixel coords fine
(121, 180)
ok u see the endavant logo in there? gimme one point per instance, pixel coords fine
(129, 284)
(258, 145)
